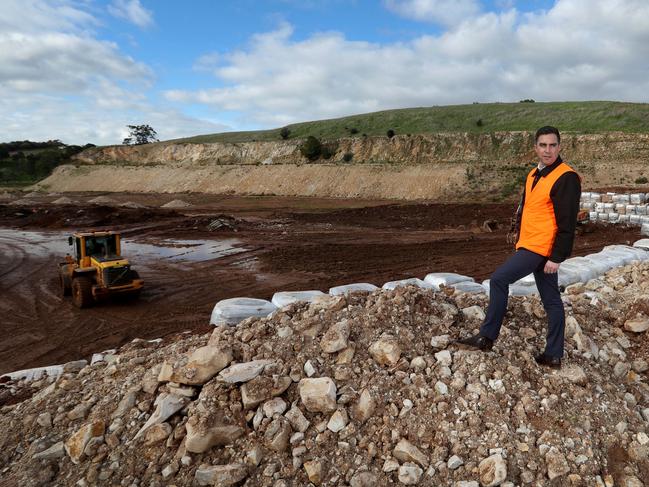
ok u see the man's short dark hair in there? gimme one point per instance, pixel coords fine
(547, 130)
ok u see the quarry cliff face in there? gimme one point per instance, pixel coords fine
(434, 166)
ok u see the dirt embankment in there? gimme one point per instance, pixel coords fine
(435, 167)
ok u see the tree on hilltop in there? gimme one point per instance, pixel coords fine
(140, 134)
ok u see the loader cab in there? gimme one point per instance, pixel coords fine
(101, 246)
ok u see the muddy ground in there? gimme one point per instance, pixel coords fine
(273, 244)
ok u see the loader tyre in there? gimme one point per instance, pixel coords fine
(82, 292)
(66, 285)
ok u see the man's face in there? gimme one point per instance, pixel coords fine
(547, 148)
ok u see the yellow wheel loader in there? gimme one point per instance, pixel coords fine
(96, 269)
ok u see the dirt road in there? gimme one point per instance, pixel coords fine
(237, 246)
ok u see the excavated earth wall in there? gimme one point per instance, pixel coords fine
(438, 166)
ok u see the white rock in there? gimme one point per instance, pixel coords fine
(454, 462)
(639, 324)
(297, 419)
(386, 350)
(335, 339)
(243, 372)
(57, 450)
(410, 474)
(200, 439)
(364, 408)
(418, 363)
(390, 465)
(318, 395)
(444, 358)
(492, 470)
(440, 342)
(277, 405)
(166, 405)
(338, 420)
(441, 388)
(556, 463)
(574, 374)
(222, 475)
(474, 313)
(407, 452)
(309, 369)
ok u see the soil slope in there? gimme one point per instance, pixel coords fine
(438, 167)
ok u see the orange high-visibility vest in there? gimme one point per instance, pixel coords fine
(538, 224)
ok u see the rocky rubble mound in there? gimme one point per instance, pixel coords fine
(366, 389)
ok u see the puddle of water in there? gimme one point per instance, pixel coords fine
(192, 250)
(43, 244)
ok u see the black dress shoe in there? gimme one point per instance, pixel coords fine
(543, 359)
(477, 341)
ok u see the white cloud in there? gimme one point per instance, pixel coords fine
(578, 50)
(132, 11)
(446, 12)
(57, 80)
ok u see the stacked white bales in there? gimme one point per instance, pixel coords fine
(630, 209)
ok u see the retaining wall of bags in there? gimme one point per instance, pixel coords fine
(630, 208)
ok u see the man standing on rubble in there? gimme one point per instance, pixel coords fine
(546, 221)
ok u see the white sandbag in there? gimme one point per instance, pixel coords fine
(470, 287)
(641, 209)
(609, 207)
(599, 207)
(637, 198)
(438, 279)
(620, 208)
(644, 219)
(633, 253)
(602, 216)
(621, 198)
(623, 218)
(348, 288)
(630, 209)
(642, 244)
(36, 373)
(603, 262)
(592, 216)
(413, 281)
(569, 275)
(582, 266)
(595, 196)
(613, 217)
(635, 219)
(521, 288)
(232, 311)
(626, 252)
(585, 195)
(284, 298)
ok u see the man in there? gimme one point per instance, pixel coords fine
(547, 217)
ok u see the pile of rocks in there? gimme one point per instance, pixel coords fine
(362, 389)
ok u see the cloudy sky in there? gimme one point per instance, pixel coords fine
(81, 70)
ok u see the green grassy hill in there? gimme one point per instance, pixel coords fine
(577, 117)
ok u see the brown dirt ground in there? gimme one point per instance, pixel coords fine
(287, 244)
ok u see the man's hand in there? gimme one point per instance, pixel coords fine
(551, 267)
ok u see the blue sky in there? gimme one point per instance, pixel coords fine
(81, 70)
